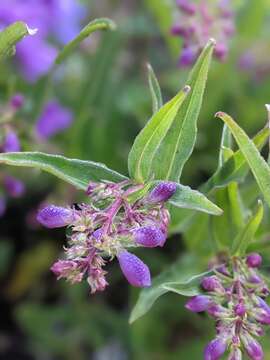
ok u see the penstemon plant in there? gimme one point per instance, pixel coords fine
(122, 212)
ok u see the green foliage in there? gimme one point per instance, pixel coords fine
(157, 101)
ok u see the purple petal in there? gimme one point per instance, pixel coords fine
(254, 260)
(53, 120)
(12, 142)
(215, 349)
(162, 192)
(55, 216)
(188, 56)
(149, 236)
(14, 187)
(135, 271)
(198, 303)
(17, 101)
(252, 347)
(187, 6)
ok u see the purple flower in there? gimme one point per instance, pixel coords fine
(198, 303)
(14, 187)
(12, 142)
(162, 192)
(188, 56)
(240, 309)
(55, 216)
(187, 6)
(149, 236)
(252, 347)
(53, 120)
(135, 271)
(67, 269)
(216, 310)
(221, 51)
(17, 101)
(215, 349)
(212, 283)
(254, 260)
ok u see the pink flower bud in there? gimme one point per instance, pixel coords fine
(198, 303)
(215, 349)
(221, 51)
(149, 236)
(162, 192)
(135, 271)
(55, 216)
(254, 260)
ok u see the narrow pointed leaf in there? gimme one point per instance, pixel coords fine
(256, 162)
(187, 198)
(11, 35)
(157, 101)
(182, 277)
(146, 145)
(73, 171)
(97, 24)
(244, 238)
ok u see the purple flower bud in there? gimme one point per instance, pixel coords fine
(149, 236)
(188, 56)
(12, 142)
(184, 31)
(235, 354)
(135, 271)
(263, 313)
(254, 260)
(215, 349)
(55, 216)
(198, 303)
(187, 6)
(252, 347)
(221, 51)
(17, 101)
(14, 187)
(216, 310)
(162, 192)
(67, 269)
(53, 120)
(97, 234)
(240, 309)
(212, 283)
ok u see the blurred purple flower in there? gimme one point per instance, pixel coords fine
(53, 120)
(14, 187)
(11, 143)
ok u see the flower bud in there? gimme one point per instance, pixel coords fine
(235, 354)
(215, 349)
(198, 303)
(212, 283)
(188, 55)
(252, 347)
(16, 102)
(12, 142)
(240, 309)
(262, 313)
(187, 6)
(221, 51)
(216, 310)
(254, 260)
(135, 271)
(162, 192)
(149, 236)
(67, 269)
(14, 187)
(55, 216)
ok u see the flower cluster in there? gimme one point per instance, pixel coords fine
(106, 227)
(235, 298)
(58, 18)
(197, 22)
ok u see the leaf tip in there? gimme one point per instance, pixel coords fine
(212, 42)
(31, 31)
(220, 114)
(186, 89)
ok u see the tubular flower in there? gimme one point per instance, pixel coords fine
(106, 227)
(196, 22)
(235, 298)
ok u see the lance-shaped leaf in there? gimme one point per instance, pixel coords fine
(73, 171)
(11, 35)
(243, 239)
(182, 277)
(169, 136)
(256, 162)
(185, 197)
(157, 101)
(236, 167)
(178, 143)
(97, 24)
(146, 145)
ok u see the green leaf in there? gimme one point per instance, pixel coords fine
(11, 35)
(182, 277)
(97, 24)
(73, 171)
(244, 238)
(146, 144)
(256, 162)
(178, 143)
(236, 167)
(154, 89)
(187, 198)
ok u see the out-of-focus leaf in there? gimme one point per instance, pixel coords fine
(147, 143)
(73, 171)
(97, 24)
(256, 162)
(157, 101)
(244, 238)
(178, 142)
(187, 198)
(11, 35)
(182, 277)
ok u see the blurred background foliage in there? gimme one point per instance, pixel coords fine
(104, 84)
